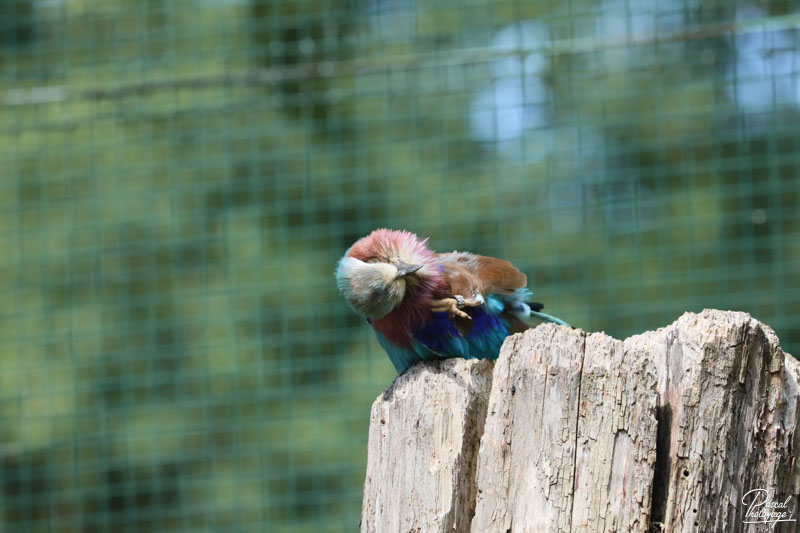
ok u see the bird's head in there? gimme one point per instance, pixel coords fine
(381, 269)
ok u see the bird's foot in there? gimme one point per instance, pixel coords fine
(455, 305)
(450, 305)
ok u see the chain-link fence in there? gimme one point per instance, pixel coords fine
(180, 178)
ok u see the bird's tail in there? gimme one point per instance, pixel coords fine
(549, 318)
(524, 308)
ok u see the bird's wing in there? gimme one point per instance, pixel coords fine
(501, 287)
(497, 283)
(437, 338)
(460, 271)
(504, 296)
(442, 337)
(470, 274)
(499, 276)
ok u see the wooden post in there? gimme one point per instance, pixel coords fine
(424, 433)
(689, 428)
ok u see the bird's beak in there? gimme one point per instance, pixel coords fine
(404, 269)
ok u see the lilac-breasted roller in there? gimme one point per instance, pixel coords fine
(423, 305)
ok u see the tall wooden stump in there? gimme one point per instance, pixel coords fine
(689, 428)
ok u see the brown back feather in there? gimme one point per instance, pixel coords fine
(461, 273)
(468, 273)
(500, 276)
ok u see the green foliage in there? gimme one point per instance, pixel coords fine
(180, 182)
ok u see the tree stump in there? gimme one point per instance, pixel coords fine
(424, 434)
(688, 428)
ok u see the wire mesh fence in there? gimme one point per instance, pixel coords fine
(180, 178)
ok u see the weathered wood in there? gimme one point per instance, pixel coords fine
(666, 431)
(577, 431)
(423, 447)
(616, 439)
(727, 420)
(522, 471)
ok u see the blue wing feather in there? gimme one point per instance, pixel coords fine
(439, 338)
(487, 334)
(484, 339)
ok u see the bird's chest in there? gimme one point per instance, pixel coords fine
(400, 325)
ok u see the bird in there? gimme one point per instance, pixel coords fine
(425, 306)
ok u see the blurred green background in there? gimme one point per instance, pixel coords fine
(179, 179)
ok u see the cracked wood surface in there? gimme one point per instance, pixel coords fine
(423, 445)
(525, 476)
(570, 440)
(665, 431)
(729, 398)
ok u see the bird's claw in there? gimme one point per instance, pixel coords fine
(455, 305)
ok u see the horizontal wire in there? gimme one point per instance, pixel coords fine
(435, 59)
